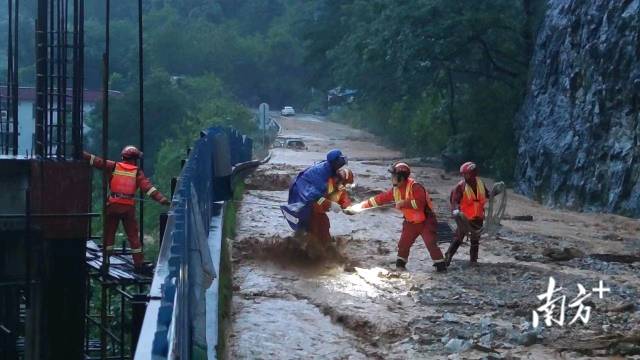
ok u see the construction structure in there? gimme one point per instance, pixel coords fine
(45, 204)
(60, 296)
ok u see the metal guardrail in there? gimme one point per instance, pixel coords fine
(175, 325)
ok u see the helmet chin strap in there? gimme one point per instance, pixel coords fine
(396, 180)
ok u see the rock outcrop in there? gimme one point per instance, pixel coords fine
(579, 127)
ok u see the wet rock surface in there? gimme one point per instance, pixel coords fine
(580, 122)
(348, 302)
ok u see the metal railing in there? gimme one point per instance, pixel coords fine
(173, 326)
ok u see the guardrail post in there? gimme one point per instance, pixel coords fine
(138, 308)
(163, 225)
(174, 183)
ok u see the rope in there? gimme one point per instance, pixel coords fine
(250, 202)
(495, 214)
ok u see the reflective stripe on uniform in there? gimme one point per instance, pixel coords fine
(91, 159)
(408, 193)
(372, 202)
(125, 173)
(411, 214)
(136, 251)
(396, 194)
(321, 201)
(403, 259)
(472, 203)
(109, 247)
(151, 191)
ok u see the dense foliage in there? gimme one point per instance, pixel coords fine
(434, 76)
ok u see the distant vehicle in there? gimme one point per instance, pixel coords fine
(296, 144)
(287, 111)
(340, 96)
(290, 143)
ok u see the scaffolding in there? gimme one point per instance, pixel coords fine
(56, 298)
(126, 300)
(59, 64)
(9, 93)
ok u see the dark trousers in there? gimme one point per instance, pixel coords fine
(126, 214)
(470, 228)
(319, 227)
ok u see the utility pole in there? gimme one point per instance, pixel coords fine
(105, 179)
(141, 114)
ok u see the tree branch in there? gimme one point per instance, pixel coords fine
(496, 66)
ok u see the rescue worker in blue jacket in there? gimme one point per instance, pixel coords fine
(309, 186)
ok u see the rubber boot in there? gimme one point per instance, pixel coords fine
(441, 266)
(401, 265)
(473, 253)
(453, 247)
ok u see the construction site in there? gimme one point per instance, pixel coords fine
(63, 293)
(276, 234)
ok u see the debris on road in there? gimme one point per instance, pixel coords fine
(351, 303)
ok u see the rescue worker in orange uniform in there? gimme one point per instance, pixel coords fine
(336, 199)
(468, 199)
(126, 178)
(413, 200)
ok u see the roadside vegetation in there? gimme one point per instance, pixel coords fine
(428, 84)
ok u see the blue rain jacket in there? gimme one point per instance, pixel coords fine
(308, 187)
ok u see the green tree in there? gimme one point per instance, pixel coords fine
(436, 75)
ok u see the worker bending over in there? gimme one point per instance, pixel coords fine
(308, 187)
(335, 199)
(468, 199)
(413, 200)
(125, 179)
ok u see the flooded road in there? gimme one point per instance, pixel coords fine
(352, 304)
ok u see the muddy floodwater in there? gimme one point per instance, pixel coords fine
(348, 302)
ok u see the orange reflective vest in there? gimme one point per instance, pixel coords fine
(334, 193)
(413, 214)
(123, 184)
(472, 204)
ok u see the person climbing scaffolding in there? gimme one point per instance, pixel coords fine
(125, 179)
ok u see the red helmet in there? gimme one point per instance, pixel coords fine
(131, 152)
(345, 175)
(400, 168)
(467, 167)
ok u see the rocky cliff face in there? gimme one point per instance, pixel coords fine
(579, 127)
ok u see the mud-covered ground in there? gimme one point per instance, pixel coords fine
(348, 302)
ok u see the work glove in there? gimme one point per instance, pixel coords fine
(335, 207)
(349, 211)
(455, 213)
